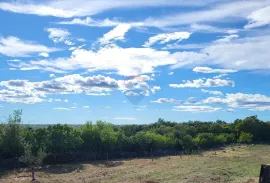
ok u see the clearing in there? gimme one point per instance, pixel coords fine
(231, 164)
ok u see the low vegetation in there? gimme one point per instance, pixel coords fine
(238, 164)
(54, 144)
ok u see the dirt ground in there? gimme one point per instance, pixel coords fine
(239, 164)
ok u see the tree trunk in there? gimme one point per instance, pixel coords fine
(265, 174)
(33, 174)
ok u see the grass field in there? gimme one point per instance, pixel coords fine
(232, 164)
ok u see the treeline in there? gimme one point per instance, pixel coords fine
(17, 140)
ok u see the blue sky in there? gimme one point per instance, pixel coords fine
(68, 61)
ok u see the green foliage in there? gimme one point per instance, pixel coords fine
(63, 138)
(13, 137)
(245, 137)
(32, 159)
(102, 137)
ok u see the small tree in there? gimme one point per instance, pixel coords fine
(13, 137)
(33, 159)
(245, 137)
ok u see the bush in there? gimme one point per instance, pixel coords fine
(245, 137)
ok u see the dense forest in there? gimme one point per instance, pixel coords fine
(103, 140)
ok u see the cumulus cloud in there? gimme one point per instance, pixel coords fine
(210, 70)
(212, 92)
(52, 76)
(59, 35)
(199, 83)
(126, 61)
(43, 54)
(15, 47)
(170, 73)
(256, 102)
(258, 18)
(155, 88)
(164, 38)
(195, 109)
(117, 33)
(24, 91)
(86, 107)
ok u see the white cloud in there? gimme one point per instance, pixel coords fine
(170, 73)
(220, 76)
(255, 102)
(186, 58)
(88, 21)
(52, 76)
(14, 47)
(233, 9)
(196, 108)
(14, 60)
(190, 100)
(126, 61)
(74, 107)
(62, 108)
(50, 100)
(199, 83)
(168, 100)
(237, 54)
(207, 28)
(227, 38)
(258, 18)
(58, 34)
(43, 54)
(98, 94)
(17, 96)
(107, 107)
(210, 70)
(66, 100)
(214, 100)
(57, 100)
(86, 107)
(125, 118)
(24, 91)
(75, 8)
(68, 42)
(155, 88)
(212, 92)
(164, 38)
(117, 33)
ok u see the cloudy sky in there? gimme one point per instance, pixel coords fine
(68, 61)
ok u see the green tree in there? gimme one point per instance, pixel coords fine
(13, 137)
(33, 159)
(64, 139)
(245, 137)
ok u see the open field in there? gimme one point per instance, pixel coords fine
(237, 164)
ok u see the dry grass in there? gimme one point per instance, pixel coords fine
(238, 165)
